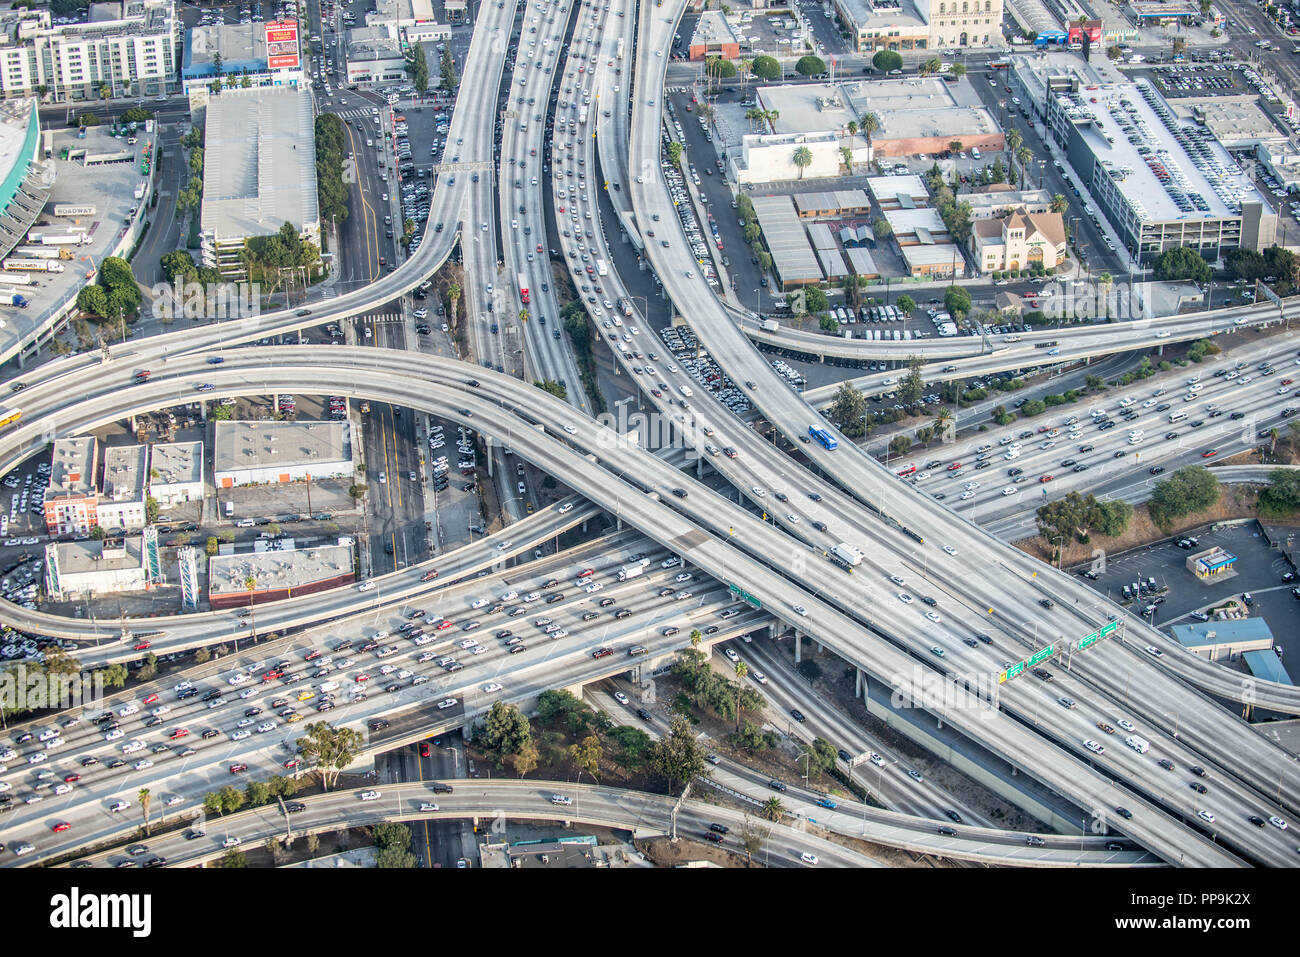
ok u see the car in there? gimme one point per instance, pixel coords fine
(1277, 822)
(1094, 746)
(1126, 814)
(1204, 815)
(1154, 652)
(808, 857)
(797, 715)
(369, 795)
(61, 826)
(1105, 727)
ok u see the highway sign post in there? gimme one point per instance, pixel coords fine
(744, 596)
(1041, 655)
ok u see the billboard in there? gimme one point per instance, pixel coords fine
(282, 45)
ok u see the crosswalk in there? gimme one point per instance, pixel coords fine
(355, 115)
(382, 317)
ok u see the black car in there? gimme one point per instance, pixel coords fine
(156, 861)
(926, 599)
(1124, 812)
(1046, 602)
(797, 715)
(379, 724)
(946, 830)
(437, 788)
(1197, 770)
(1256, 820)
(1198, 787)
(193, 835)
(776, 785)
(211, 733)
(720, 828)
(984, 638)
(293, 807)
(953, 815)
(643, 714)
(1166, 764)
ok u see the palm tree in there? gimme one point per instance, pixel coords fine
(802, 158)
(1025, 155)
(453, 297)
(1105, 280)
(1059, 203)
(1014, 141)
(943, 420)
(773, 809)
(743, 67)
(742, 669)
(869, 124)
(696, 639)
(145, 800)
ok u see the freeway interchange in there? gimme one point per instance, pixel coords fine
(914, 544)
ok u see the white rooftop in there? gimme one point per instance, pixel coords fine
(259, 164)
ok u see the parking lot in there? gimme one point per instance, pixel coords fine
(1259, 572)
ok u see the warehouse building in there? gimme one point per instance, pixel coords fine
(176, 472)
(121, 504)
(82, 569)
(259, 171)
(277, 574)
(793, 258)
(262, 453)
(1217, 640)
(1162, 181)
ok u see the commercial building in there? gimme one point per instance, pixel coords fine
(257, 53)
(770, 157)
(898, 192)
(1213, 563)
(714, 36)
(921, 24)
(999, 199)
(128, 46)
(1020, 240)
(261, 453)
(374, 56)
(1238, 122)
(918, 115)
(838, 202)
(121, 506)
(83, 569)
(72, 494)
(934, 261)
(259, 171)
(1217, 640)
(176, 472)
(277, 574)
(793, 259)
(1164, 12)
(1161, 181)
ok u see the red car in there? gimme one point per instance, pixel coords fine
(954, 467)
(602, 652)
(1046, 478)
(143, 645)
(291, 763)
(62, 826)
(272, 674)
(314, 653)
(424, 750)
(150, 699)
(429, 576)
(586, 573)
(361, 679)
(238, 768)
(1209, 454)
(180, 733)
(444, 624)
(73, 778)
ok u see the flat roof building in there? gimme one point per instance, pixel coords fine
(921, 24)
(1224, 639)
(1162, 181)
(259, 171)
(278, 574)
(176, 472)
(374, 56)
(836, 202)
(233, 52)
(77, 569)
(257, 453)
(989, 202)
(1238, 122)
(898, 192)
(72, 493)
(714, 36)
(792, 255)
(121, 504)
(939, 261)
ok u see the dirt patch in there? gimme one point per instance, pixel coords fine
(331, 842)
(1237, 501)
(662, 852)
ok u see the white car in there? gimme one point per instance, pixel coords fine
(161, 710)
(1127, 725)
(240, 735)
(67, 789)
(237, 679)
(620, 697)
(758, 491)
(127, 710)
(248, 692)
(731, 655)
(966, 495)
(40, 757)
(370, 795)
(570, 429)
(265, 726)
(1009, 490)
(231, 842)
(114, 734)
(876, 759)
(950, 550)
(366, 586)
(933, 617)
(144, 764)
(428, 806)
(1278, 823)
(595, 586)
(478, 603)
(905, 598)
(133, 747)
(446, 703)
(561, 799)
(465, 643)
(799, 610)
(1206, 815)
(1154, 652)
(244, 722)
(491, 687)
(971, 486)
(1094, 747)
(808, 857)
(118, 806)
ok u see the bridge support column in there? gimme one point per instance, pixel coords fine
(798, 647)
(820, 649)
(859, 685)
(699, 467)
(618, 523)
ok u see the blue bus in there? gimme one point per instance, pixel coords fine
(824, 437)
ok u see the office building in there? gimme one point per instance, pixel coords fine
(261, 453)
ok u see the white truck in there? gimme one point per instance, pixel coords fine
(769, 325)
(630, 571)
(1140, 745)
(848, 555)
(627, 306)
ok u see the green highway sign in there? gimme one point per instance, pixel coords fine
(745, 596)
(1011, 672)
(1107, 629)
(1085, 642)
(1041, 655)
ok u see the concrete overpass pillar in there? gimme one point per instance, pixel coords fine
(618, 523)
(699, 467)
(859, 685)
(467, 732)
(798, 647)
(820, 649)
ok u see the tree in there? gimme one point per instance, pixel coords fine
(815, 300)
(93, 300)
(958, 70)
(824, 755)
(906, 304)
(329, 749)
(912, 386)
(357, 492)
(233, 858)
(447, 68)
(957, 301)
(230, 798)
(417, 67)
(802, 158)
(1281, 497)
(752, 837)
(829, 324)
(719, 69)
(526, 759)
(810, 66)
(505, 730)
(848, 411)
(773, 809)
(882, 228)
(675, 153)
(1114, 52)
(766, 68)
(930, 67)
(900, 445)
(146, 800)
(551, 386)
(742, 670)
(886, 60)
(585, 756)
(1059, 203)
(1181, 263)
(1188, 491)
(678, 757)
(178, 264)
